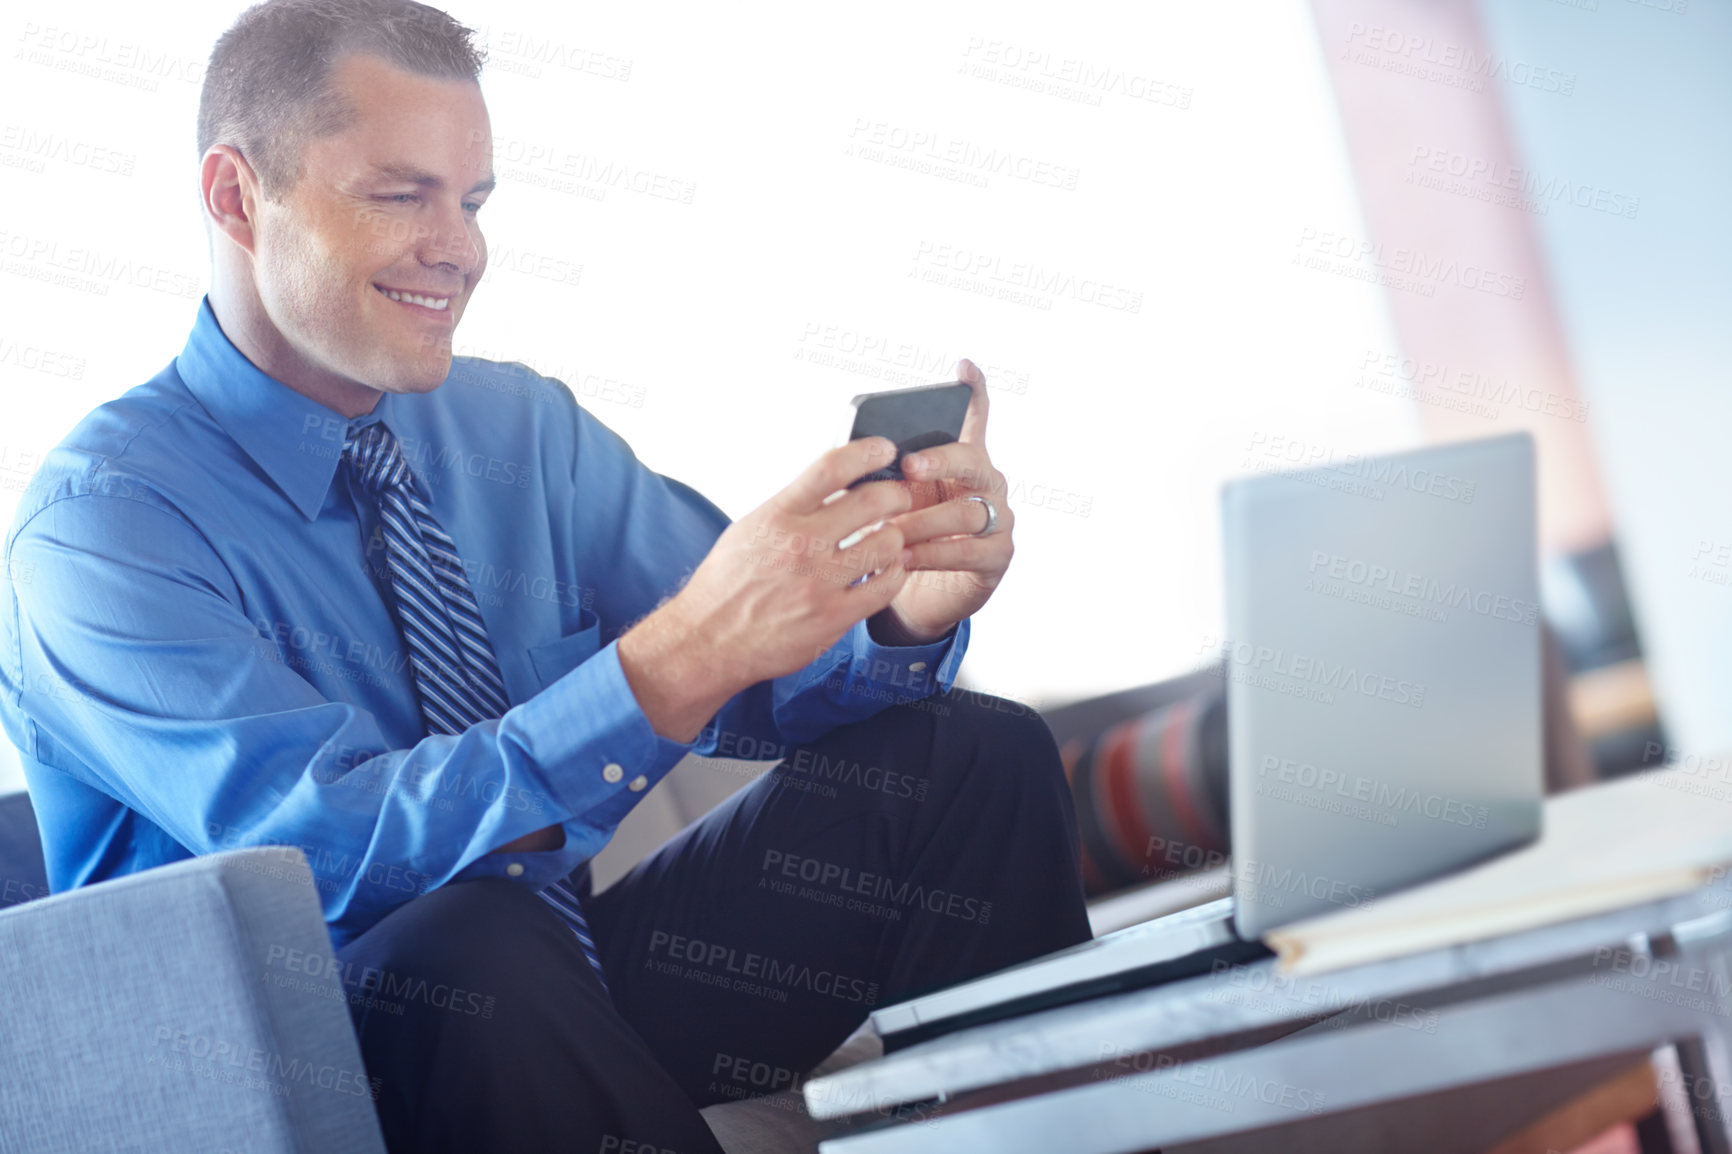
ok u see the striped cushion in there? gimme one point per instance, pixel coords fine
(1151, 793)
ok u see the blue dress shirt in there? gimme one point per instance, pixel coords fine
(197, 652)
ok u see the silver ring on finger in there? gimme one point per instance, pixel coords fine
(991, 526)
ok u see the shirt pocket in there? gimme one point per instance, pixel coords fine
(552, 660)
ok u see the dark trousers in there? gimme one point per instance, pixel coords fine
(926, 845)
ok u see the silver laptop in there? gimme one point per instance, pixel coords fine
(1382, 657)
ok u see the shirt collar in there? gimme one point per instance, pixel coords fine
(296, 441)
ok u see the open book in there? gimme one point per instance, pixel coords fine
(1633, 840)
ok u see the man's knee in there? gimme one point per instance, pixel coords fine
(463, 949)
(1000, 720)
(1012, 737)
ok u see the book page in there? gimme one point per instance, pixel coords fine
(1636, 839)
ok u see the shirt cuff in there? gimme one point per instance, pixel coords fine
(587, 739)
(898, 672)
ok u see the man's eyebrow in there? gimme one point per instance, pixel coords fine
(409, 174)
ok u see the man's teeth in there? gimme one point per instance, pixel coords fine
(424, 302)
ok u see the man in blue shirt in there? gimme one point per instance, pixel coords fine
(319, 583)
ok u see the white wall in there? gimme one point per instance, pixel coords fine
(1117, 424)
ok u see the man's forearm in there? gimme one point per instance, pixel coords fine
(679, 680)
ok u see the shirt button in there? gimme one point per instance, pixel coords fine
(611, 773)
(515, 869)
(637, 783)
(917, 667)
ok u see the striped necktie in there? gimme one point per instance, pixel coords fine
(456, 676)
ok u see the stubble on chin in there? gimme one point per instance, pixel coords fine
(435, 352)
(430, 367)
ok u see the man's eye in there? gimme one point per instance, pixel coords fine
(399, 197)
(472, 206)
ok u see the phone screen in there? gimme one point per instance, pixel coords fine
(915, 419)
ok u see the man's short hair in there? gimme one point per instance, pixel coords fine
(268, 91)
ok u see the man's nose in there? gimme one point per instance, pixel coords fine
(449, 238)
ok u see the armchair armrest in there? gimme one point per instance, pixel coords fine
(193, 1007)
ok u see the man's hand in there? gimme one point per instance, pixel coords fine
(776, 590)
(952, 571)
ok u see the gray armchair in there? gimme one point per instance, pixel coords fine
(195, 1007)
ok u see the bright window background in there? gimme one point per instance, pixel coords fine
(1645, 299)
(723, 337)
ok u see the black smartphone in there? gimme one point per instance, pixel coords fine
(915, 419)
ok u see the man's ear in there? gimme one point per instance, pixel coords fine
(230, 190)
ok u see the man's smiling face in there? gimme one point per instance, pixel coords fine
(365, 267)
